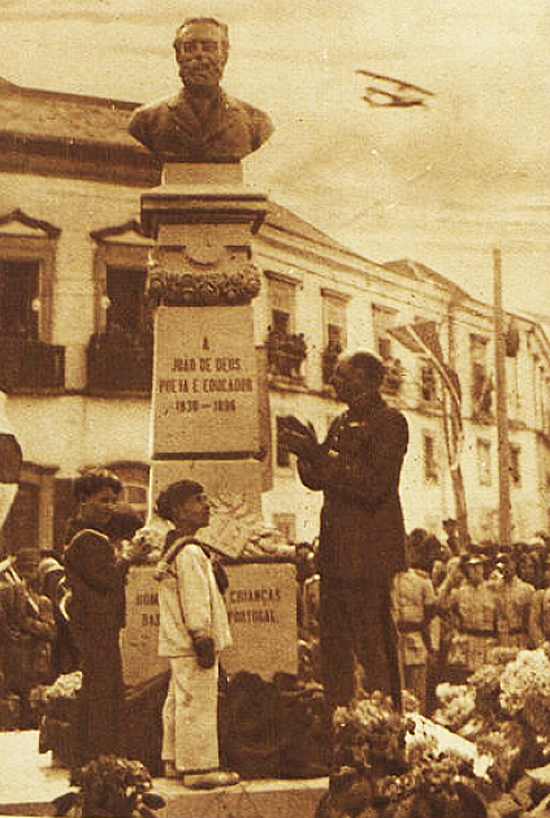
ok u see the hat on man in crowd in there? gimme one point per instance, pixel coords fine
(537, 542)
(504, 558)
(474, 559)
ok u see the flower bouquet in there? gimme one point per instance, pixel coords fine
(58, 706)
(525, 690)
(457, 703)
(370, 736)
(510, 719)
(379, 773)
(110, 787)
(437, 785)
(59, 700)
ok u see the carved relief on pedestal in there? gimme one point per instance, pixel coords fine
(209, 275)
(234, 520)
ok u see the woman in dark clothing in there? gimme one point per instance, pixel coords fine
(93, 485)
(96, 576)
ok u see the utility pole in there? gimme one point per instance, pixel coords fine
(504, 517)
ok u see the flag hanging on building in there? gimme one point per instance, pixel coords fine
(422, 337)
(10, 462)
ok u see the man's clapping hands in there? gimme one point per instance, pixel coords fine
(298, 438)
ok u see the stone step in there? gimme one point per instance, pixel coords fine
(248, 799)
(29, 782)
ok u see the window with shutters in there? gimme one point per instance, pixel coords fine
(28, 359)
(286, 523)
(482, 380)
(120, 352)
(19, 298)
(484, 468)
(515, 464)
(135, 485)
(286, 348)
(431, 469)
(383, 318)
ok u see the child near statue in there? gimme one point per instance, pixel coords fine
(194, 630)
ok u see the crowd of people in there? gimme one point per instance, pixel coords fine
(450, 609)
(462, 606)
(41, 604)
(27, 637)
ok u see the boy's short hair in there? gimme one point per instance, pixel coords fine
(176, 493)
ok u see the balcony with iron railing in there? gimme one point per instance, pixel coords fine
(28, 365)
(286, 352)
(329, 358)
(393, 378)
(120, 361)
(482, 393)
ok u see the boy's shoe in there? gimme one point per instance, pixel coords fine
(209, 781)
(170, 770)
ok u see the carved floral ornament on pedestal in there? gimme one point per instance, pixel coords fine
(210, 274)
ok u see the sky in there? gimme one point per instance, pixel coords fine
(441, 184)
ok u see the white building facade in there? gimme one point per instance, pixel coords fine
(76, 340)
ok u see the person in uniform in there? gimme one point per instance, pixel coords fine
(362, 536)
(515, 597)
(94, 487)
(194, 630)
(539, 617)
(473, 611)
(414, 605)
(202, 123)
(26, 631)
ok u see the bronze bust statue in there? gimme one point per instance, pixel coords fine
(201, 123)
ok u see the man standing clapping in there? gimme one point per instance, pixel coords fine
(362, 539)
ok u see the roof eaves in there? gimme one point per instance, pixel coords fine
(7, 87)
(421, 271)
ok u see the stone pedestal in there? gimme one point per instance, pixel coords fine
(139, 639)
(205, 393)
(205, 417)
(261, 604)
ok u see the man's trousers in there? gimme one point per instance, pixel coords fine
(357, 629)
(189, 716)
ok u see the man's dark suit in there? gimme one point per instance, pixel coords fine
(362, 546)
(172, 129)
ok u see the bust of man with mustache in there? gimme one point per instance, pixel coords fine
(201, 123)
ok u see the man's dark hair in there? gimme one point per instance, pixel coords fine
(92, 479)
(372, 367)
(176, 493)
(189, 21)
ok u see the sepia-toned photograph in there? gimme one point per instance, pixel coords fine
(274, 409)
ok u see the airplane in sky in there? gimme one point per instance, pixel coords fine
(388, 92)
